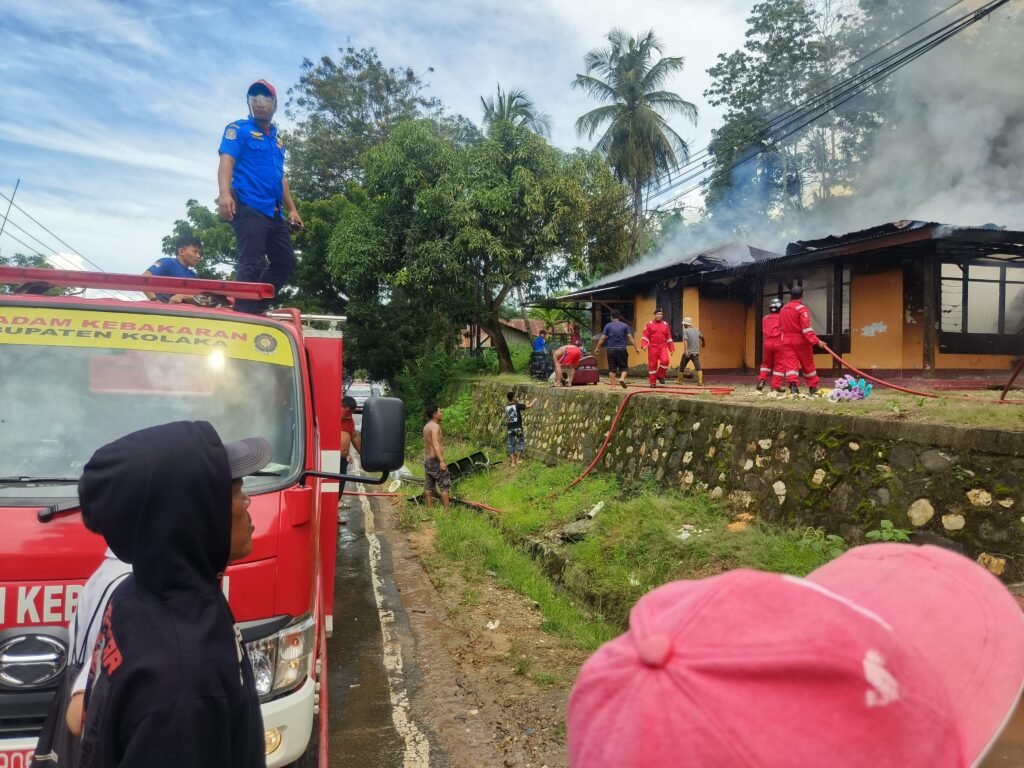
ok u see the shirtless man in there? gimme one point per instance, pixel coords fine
(435, 470)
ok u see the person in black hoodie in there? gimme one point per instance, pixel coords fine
(170, 683)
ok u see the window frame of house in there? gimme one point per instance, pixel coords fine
(670, 299)
(777, 286)
(962, 340)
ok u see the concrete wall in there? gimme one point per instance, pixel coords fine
(798, 468)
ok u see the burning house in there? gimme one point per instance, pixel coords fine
(904, 298)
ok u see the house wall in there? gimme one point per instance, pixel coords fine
(724, 325)
(948, 361)
(876, 320)
(750, 352)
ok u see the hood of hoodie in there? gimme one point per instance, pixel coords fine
(161, 497)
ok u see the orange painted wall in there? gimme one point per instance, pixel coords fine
(876, 319)
(750, 350)
(644, 314)
(983, 362)
(724, 325)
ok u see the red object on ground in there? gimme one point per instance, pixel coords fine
(587, 372)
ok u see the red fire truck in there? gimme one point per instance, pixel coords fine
(78, 372)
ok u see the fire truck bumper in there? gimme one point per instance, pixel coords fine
(16, 753)
(287, 725)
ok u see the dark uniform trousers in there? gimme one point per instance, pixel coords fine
(261, 239)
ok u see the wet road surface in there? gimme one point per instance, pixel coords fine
(369, 656)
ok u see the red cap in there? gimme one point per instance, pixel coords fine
(890, 656)
(256, 86)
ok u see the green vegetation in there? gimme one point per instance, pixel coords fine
(886, 531)
(639, 539)
(469, 540)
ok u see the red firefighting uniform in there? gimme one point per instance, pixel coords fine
(798, 338)
(771, 334)
(657, 340)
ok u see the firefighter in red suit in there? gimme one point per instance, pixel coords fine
(770, 334)
(798, 341)
(657, 340)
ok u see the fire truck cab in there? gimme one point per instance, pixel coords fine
(78, 372)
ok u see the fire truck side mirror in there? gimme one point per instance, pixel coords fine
(383, 431)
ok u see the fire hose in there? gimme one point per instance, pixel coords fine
(881, 382)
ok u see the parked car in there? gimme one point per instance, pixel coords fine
(361, 390)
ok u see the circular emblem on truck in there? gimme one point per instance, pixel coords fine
(265, 343)
(29, 661)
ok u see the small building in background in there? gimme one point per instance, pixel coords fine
(906, 298)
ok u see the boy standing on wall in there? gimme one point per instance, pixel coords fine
(514, 424)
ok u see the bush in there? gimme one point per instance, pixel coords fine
(456, 415)
(420, 384)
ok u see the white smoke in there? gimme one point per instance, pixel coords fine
(951, 149)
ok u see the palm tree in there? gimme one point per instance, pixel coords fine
(517, 108)
(638, 142)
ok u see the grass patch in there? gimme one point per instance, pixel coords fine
(635, 546)
(546, 680)
(466, 538)
(524, 494)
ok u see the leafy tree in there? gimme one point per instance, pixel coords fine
(517, 108)
(637, 139)
(791, 51)
(343, 108)
(447, 235)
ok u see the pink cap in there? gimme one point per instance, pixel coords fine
(891, 655)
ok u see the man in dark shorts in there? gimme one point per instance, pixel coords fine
(435, 469)
(615, 336)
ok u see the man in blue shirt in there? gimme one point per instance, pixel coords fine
(540, 344)
(188, 251)
(616, 335)
(254, 193)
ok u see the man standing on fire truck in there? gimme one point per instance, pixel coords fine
(657, 340)
(796, 345)
(253, 192)
(770, 334)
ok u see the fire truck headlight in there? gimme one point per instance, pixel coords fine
(282, 660)
(294, 654)
(263, 657)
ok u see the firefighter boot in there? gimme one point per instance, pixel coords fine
(760, 387)
(679, 378)
(794, 390)
(700, 378)
(812, 392)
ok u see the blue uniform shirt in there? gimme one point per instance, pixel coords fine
(258, 178)
(540, 345)
(170, 267)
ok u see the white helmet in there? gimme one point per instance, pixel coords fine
(775, 304)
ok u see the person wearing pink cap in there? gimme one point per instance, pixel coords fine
(890, 656)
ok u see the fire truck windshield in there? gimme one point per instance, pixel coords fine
(85, 377)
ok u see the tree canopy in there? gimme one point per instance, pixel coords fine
(515, 107)
(637, 140)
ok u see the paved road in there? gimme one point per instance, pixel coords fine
(370, 721)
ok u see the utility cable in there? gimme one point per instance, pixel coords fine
(816, 96)
(849, 92)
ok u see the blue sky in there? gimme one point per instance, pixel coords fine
(114, 110)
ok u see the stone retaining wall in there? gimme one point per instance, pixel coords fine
(799, 468)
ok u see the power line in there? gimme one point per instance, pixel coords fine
(850, 89)
(772, 124)
(51, 234)
(52, 259)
